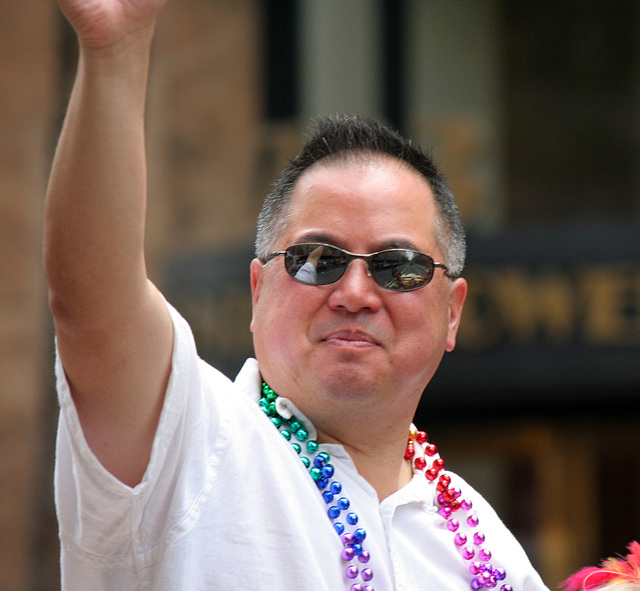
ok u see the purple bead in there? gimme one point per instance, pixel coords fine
(347, 538)
(366, 574)
(477, 583)
(453, 524)
(501, 574)
(356, 587)
(506, 588)
(351, 572)
(364, 557)
(368, 588)
(348, 554)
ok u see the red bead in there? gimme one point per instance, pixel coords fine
(445, 479)
(431, 474)
(420, 463)
(430, 449)
(421, 437)
(409, 452)
(438, 464)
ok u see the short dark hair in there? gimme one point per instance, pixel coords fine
(344, 136)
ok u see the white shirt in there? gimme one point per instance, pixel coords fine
(225, 504)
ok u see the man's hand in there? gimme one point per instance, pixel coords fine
(102, 24)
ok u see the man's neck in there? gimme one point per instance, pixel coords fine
(381, 463)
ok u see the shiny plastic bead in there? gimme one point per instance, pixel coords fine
(295, 425)
(364, 557)
(305, 461)
(316, 473)
(356, 587)
(348, 554)
(357, 548)
(485, 555)
(466, 504)
(477, 583)
(506, 588)
(421, 437)
(430, 449)
(431, 474)
(438, 464)
(286, 434)
(339, 527)
(420, 463)
(347, 538)
(333, 512)
(328, 471)
(445, 512)
(352, 571)
(327, 495)
(473, 520)
(312, 446)
(453, 525)
(360, 534)
(302, 434)
(343, 503)
(478, 538)
(296, 448)
(277, 421)
(501, 574)
(336, 488)
(318, 462)
(409, 452)
(474, 567)
(352, 518)
(460, 539)
(366, 574)
(468, 553)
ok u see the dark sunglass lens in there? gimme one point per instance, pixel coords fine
(315, 264)
(402, 270)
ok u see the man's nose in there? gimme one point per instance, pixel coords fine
(356, 290)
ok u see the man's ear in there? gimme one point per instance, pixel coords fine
(457, 296)
(256, 274)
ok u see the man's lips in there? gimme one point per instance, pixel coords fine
(350, 338)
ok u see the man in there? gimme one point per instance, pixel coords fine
(305, 473)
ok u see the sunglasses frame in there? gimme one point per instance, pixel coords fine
(365, 257)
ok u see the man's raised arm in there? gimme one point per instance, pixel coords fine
(113, 330)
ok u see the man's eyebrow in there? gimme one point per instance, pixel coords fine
(324, 238)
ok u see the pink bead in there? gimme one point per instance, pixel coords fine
(460, 539)
(468, 553)
(474, 567)
(453, 525)
(478, 538)
(445, 512)
(466, 504)
(473, 520)
(485, 555)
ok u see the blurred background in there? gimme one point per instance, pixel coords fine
(533, 109)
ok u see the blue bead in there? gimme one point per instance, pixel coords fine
(336, 488)
(318, 461)
(357, 549)
(359, 534)
(352, 518)
(327, 495)
(343, 503)
(328, 471)
(322, 482)
(333, 512)
(339, 527)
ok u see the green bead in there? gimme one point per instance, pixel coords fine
(325, 456)
(301, 434)
(312, 446)
(272, 408)
(296, 447)
(295, 424)
(277, 421)
(316, 473)
(305, 461)
(286, 434)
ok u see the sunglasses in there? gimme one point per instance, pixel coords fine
(396, 269)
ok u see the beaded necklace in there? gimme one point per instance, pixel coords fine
(466, 535)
